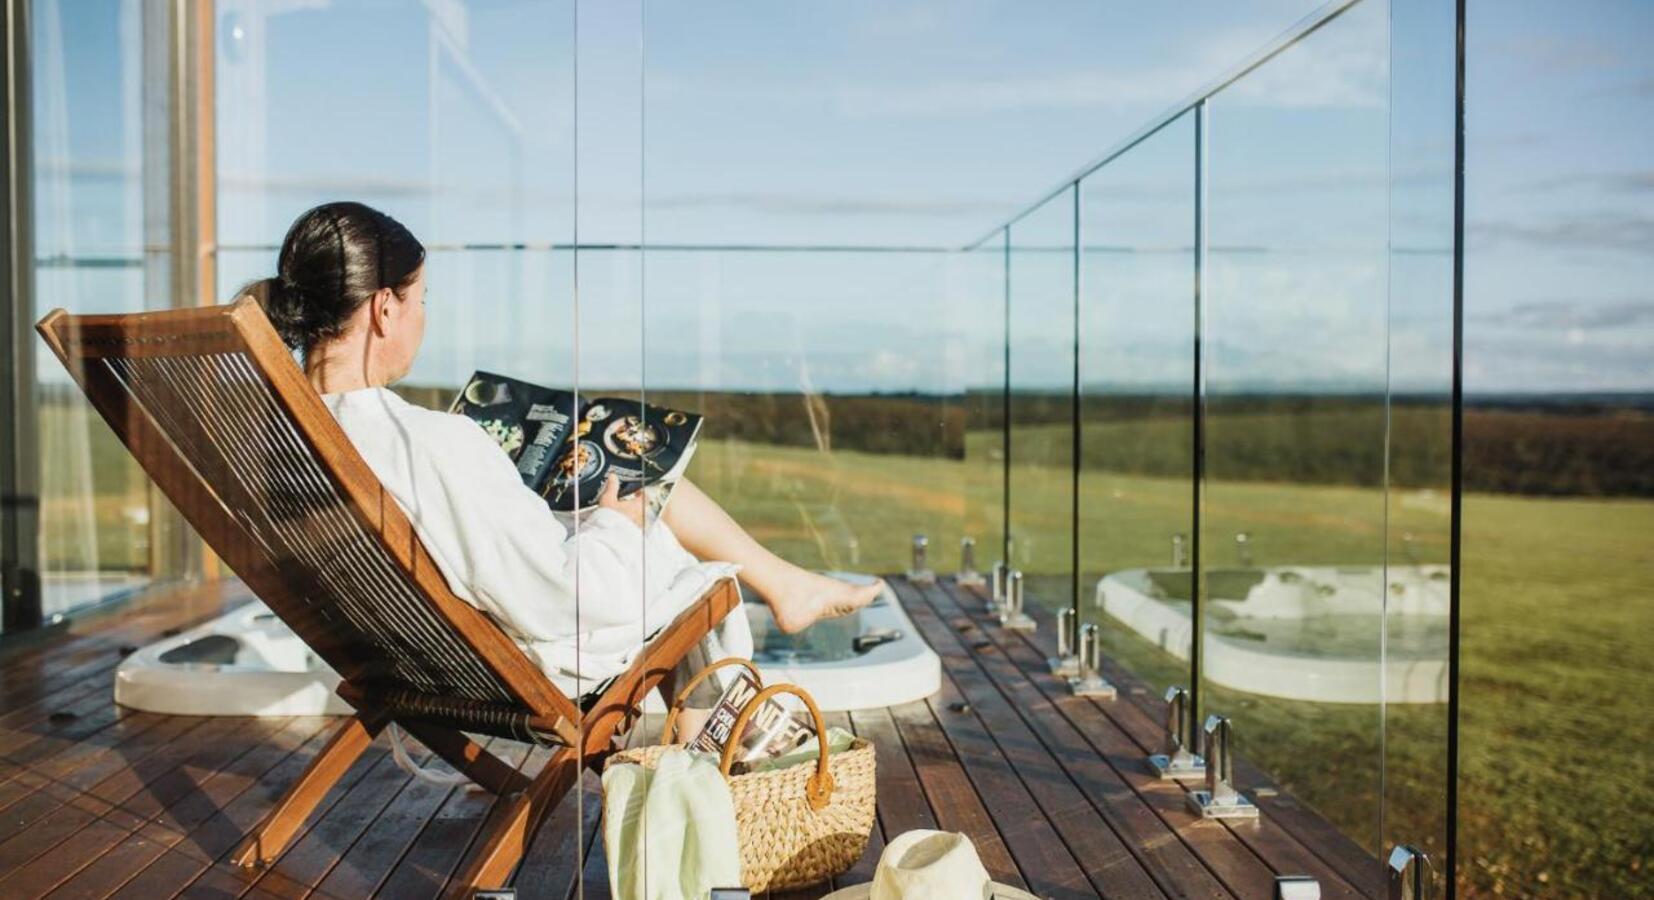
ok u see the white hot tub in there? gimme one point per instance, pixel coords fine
(1301, 632)
(244, 663)
(248, 663)
(871, 658)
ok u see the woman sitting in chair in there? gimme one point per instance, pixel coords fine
(350, 295)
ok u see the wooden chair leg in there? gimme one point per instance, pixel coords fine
(467, 756)
(266, 842)
(506, 834)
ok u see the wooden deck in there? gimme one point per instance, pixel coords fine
(98, 801)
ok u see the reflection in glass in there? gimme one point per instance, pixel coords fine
(835, 400)
(1420, 334)
(1292, 543)
(464, 140)
(429, 113)
(976, 286)
(1137, 222)
(1557, 590)
(96, 201)
(1040, 527)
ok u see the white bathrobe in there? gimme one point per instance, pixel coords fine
(579, 597)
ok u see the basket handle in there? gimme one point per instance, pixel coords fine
(669, 731)
(819, 789)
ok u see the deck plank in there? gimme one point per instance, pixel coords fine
(438, 848)
(43, 654)
(83, 765)
(952, 797)
(564, 845)
(1137, 835)
(1186, 852)
(280, 759)
(311, 858)
(370, 859)
(57, 729)
(223, 880)
(1063, 817)
(1299, 843)
(85, 825)
(97, 801)
(48, 816)
(212, 841)
(876, 726)
(179, 809)
(1229, 858)
(902, 803)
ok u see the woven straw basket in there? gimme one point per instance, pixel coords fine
(796, 826)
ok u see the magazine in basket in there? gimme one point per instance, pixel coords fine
(565, 445)
(773, 729)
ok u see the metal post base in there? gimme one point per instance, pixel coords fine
(1094, 686)
(1236, 807)
(1297, 887)
(1182, 767)
(1411, 876)
(1063, 666)
(921, 576)
(1020, 621)
(969, 579)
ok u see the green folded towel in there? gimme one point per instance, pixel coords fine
(669, 832)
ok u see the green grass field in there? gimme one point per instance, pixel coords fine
(1557, 626)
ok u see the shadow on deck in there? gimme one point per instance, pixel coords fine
(99, 801)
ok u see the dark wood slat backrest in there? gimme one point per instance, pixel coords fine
(213, 406)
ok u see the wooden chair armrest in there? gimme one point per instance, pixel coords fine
(628, 690)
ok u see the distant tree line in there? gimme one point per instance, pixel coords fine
(1544, 447)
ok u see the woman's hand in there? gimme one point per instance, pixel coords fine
(631, 507)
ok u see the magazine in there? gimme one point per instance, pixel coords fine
(566, 446)
(772, 731)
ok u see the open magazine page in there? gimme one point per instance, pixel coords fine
(564, 451)
(640, 445)
(531, 423)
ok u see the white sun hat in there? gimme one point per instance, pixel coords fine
(928, 865)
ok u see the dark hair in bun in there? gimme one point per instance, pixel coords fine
(334, 258)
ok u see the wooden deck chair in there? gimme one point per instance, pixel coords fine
(216, 410)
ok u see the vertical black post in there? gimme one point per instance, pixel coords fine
(1074, 506)
(1456, 520)
(20, 605)
(1197, 408)
(1005, 417)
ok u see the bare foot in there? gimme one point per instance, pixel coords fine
(813, 596)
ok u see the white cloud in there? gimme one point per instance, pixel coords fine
(1332, 68)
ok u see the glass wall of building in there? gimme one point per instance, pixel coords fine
(437, 115)
(1417, 640)
(1294, 287)
(1040, 272)
(1137, 354)
(835, 423)
(841, 348)
(102, 244)
(1558, 425)
(976, 310)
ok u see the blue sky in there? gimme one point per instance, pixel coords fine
(902, 124)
